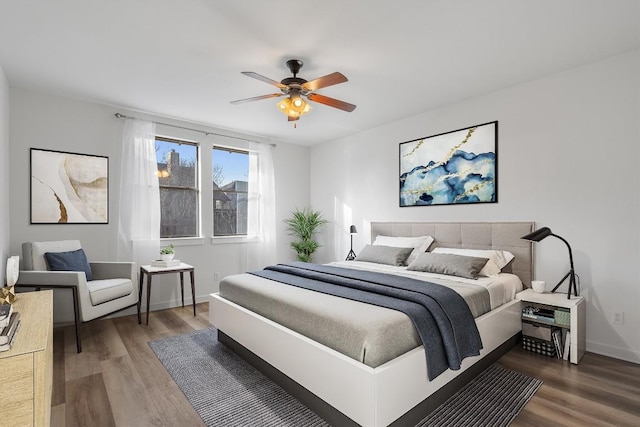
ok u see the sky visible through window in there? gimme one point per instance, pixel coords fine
(235, 165)
(186, 151)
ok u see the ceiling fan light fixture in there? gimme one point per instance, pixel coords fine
(294, 107)
(300, 106)
(284, 105)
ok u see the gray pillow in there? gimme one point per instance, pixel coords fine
(453, 265)
(384, 254)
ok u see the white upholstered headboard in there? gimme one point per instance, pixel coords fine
(471, 235)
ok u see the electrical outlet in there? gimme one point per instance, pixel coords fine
(617, 318)
(216, 276)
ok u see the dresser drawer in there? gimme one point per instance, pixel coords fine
(16, 389)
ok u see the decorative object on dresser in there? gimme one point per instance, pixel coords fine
(543, 233)
(8, 293)
(457, 167)
(26, 385)
(553, 325)
(98, 288)
(351, 255)
(69, 188)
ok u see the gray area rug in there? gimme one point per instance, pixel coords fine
(492, 399)
(226, 391)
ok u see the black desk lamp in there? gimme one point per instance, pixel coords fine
(352, 255)
(544, 232)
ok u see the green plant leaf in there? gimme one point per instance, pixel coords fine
(303, 224)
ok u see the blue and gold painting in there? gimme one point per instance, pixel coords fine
(458, 167)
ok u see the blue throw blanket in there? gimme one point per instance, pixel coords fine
(441, 316)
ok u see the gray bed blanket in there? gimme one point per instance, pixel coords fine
(441, 316)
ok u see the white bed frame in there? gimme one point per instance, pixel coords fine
(379, 396)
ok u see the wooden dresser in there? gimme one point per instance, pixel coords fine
(27, 369)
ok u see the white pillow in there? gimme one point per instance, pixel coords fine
(419, 244)
(497, 259)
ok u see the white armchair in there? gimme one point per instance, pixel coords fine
(113, 287)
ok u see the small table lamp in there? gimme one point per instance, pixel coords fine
(544, 232)
(351, 255)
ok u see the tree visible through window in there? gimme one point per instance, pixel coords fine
(230, 174)
(177, 176)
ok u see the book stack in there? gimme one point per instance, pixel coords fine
(162, 263)
(567, 345)
(9, 325)
(556, 336)
(538, 314)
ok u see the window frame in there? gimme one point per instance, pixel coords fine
(196, 188)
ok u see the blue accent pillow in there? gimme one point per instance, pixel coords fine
(69, 261)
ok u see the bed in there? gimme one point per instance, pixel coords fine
(348, 390)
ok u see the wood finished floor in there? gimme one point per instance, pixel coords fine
(118, 381)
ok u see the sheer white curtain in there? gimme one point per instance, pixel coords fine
(139, 216)
(261, 227)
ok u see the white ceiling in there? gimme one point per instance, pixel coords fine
(183, 58)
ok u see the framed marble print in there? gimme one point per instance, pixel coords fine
(453, 168)
(68, 188)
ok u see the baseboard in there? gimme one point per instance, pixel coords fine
(133, 310)
(615, 352)
(172, 303)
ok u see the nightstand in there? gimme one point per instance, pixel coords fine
(151, 271)
(577, 314)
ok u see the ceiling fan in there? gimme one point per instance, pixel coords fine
(296, 89)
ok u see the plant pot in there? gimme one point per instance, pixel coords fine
(167, 257)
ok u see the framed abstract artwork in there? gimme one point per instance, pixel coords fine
(452, 168)
(69, 188)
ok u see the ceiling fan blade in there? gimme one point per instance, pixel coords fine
(331, 102)
(292, 118)
(324, 81)
(263, 79)
(257, 98)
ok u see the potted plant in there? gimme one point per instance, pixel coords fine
(167, 253)
(303, 224)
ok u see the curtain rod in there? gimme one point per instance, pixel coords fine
(207, 133)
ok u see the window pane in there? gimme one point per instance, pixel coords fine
(179, 212)
(176, 163)
(230, 175)
(177, 176)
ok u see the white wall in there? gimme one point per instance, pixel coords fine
(4, 180)
(568, 155)
(43, 121)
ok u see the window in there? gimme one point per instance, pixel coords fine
(230, 175)
(178, 179)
